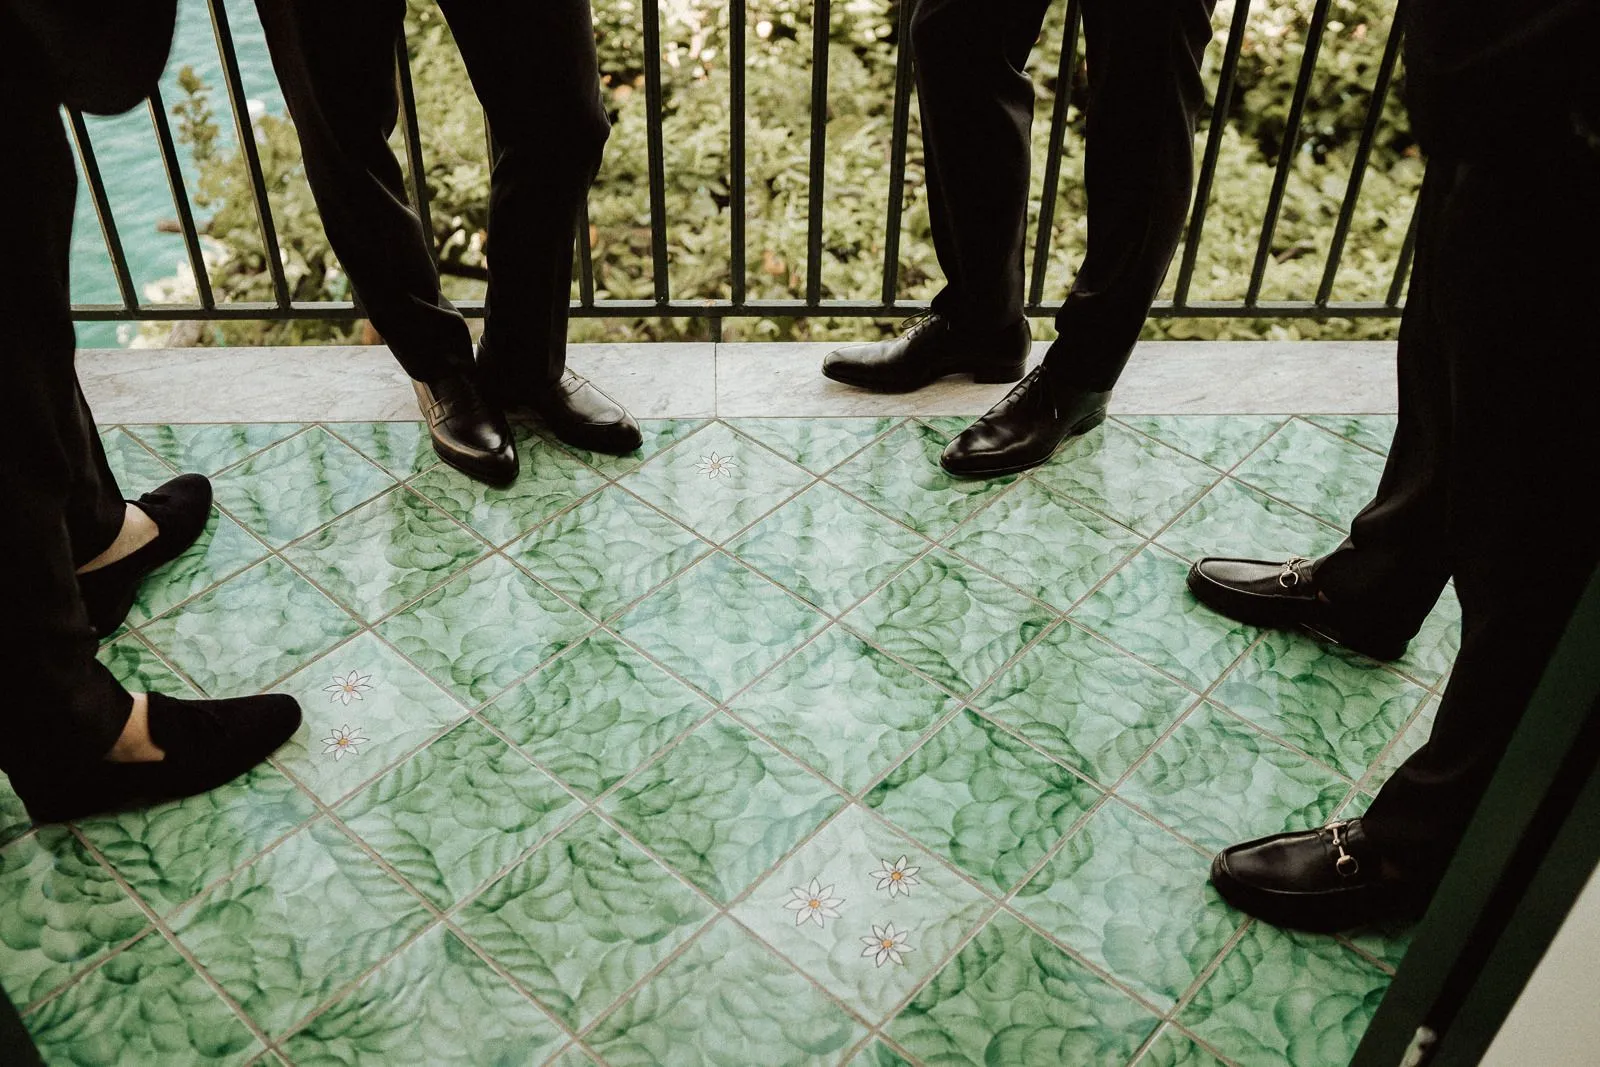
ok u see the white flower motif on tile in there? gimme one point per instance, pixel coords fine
(344, 742)
(815, 903)
(350, 687)
(715, 466)
(896, 877)
(886, 943)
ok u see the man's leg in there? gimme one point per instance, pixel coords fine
(977, 117)
(336, 65)
(550, 128)
(1145, 95)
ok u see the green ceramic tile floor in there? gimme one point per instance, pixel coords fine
(769, 745)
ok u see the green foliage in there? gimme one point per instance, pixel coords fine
(695, 122)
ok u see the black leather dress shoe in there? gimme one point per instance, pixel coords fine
(208, 743)
(1025, 428)
(180, 509)
(1283, 594)
(468, 433)
(582, 415)
(928, 350)
(1322, 880)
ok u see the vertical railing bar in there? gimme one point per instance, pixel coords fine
(654, 103)
(180, 199)
(821, 29)
(585, 257)
(1052, 163)
(102, 210)
(247, 146)
(1208, 165)
(414, 162)
(897, 152)
(736, 136)
(1286, 152)
(1402, 267)
(1358, 169)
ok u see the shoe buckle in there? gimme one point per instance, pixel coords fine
(1347, 865)
(1290, 576)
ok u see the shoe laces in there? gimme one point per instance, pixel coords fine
(915, 324)
(1290, 576)
(1032, 387)
(1347, 865)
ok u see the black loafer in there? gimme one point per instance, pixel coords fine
(1025, 428)
(580, 414)
(468, 432)
(1322, 880)
(208, 743)
(927, 350)
(180, 509)
(1283, 594)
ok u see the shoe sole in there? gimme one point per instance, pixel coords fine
(1078, 430)
(1000, 374)
(1255, 611)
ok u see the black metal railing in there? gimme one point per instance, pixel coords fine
(739, 305)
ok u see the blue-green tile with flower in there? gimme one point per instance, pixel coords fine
(717, 482)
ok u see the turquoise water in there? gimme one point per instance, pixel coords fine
(125, 147)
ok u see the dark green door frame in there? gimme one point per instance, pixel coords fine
(1530, 850)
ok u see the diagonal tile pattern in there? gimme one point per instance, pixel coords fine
(770, 743)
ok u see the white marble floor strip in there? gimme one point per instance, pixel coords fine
(732, 380)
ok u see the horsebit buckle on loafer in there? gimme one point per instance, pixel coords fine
(1290, 576)
(1347, 865)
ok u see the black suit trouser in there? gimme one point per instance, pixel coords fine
(1491, 475)
(63, 504)
(1145, 93)
(535, 70)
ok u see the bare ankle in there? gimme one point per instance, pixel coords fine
(138, 530)
(135, 745)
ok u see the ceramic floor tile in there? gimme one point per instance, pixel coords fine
(1316, 471)
(878, 1054)
(596, 713)
(207, 448)
(1283, 998)
(1044, 544)
(1085, 703)
(143, 1006)
(1432, 653)
(727, 1002)
(386, 553)
(1133, 899)
(14, 819)
(1147, 609)
(1370, 431)
(1218, 782)
(717, 482)
(437, 1003)
(843, 707)
(1338, 707)
(62, 910)
(169, 853)
(140, 670)
(722, 806)
(864, 913)
(901, 477)
(720, 625)
(1135, 480)
(297, 485)
(818, 445)
(457, 813)
(828, 547)
(223, 550)
(950, 621)
(582, 919)
(136, 470)
(1238, 521)
(1385, 942)
(1414, 737)
(658, 434)
(364, 709)
(285, 933)
(608, 551)
(1219, 440)
(1174, 1048)
(484, 629)
(982, 799)
(550, 482)
(250, 631)
(1011, 996)
(403, 449)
